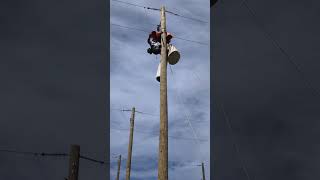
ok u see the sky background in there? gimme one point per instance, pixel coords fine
(133, 83)
(275, 116)
(54, 87)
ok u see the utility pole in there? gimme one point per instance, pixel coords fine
(203, 174)
(163, 138)
(119, 166)
(128, 169)
(74, 162)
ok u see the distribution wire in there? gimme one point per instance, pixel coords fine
(151, 133)
(277, 45)
(196, 138)
(187, 163)
(136, 5)
(187, 116)
(156, 9)
(142, 30)
(92, 160)
(49, 154)
(156, 134)
(235, 145)
(145, 113)
(126, 27)
(186, 17)
(32, 153)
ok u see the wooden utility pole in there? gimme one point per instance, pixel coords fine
(119, 166)
(74, 162)
(128, 168)
(203, 174)
(163, 138)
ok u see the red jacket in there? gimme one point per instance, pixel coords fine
(157, 36)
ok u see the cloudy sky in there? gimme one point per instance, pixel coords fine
(275, 115)
(132, 83)
(54, 77)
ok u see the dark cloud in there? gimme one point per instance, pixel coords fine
(53, 86)
(272, 111)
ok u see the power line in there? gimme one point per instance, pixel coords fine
(142, 30)
(120, 109)
(92, 160)
(145, 113)
(126, 27)
(136, 5)
(152, 133)
(156, 115)
(277, 45)
(156, 9)
(226, 118)
(187, 117)
(187, 163)
(186, 17)
(146, 18)
(49, 154)
(33, 153)
(192, 41)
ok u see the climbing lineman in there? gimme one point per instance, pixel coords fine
(154, 40)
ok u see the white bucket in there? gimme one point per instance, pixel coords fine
(158, 72)
(173, 55)
(173, 58)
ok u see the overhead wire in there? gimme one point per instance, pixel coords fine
(191, 41)
(146, 18)
(196, 77)
(120, 109)
(136, 5)
(175, 161)
(142, 30)
(198, 20)
(235, 145)
(92, 160)
(157, 9)
(156, 134)
(156, 115)
(189, 122)
(282, 50)
(126, 27)
(49, 154)
(32, 153)
(187, 116)
(140, 112)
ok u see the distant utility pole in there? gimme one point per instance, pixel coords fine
(203, 174)
(163, 138)
(74, 162)
(119, 166)
(128, 169)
